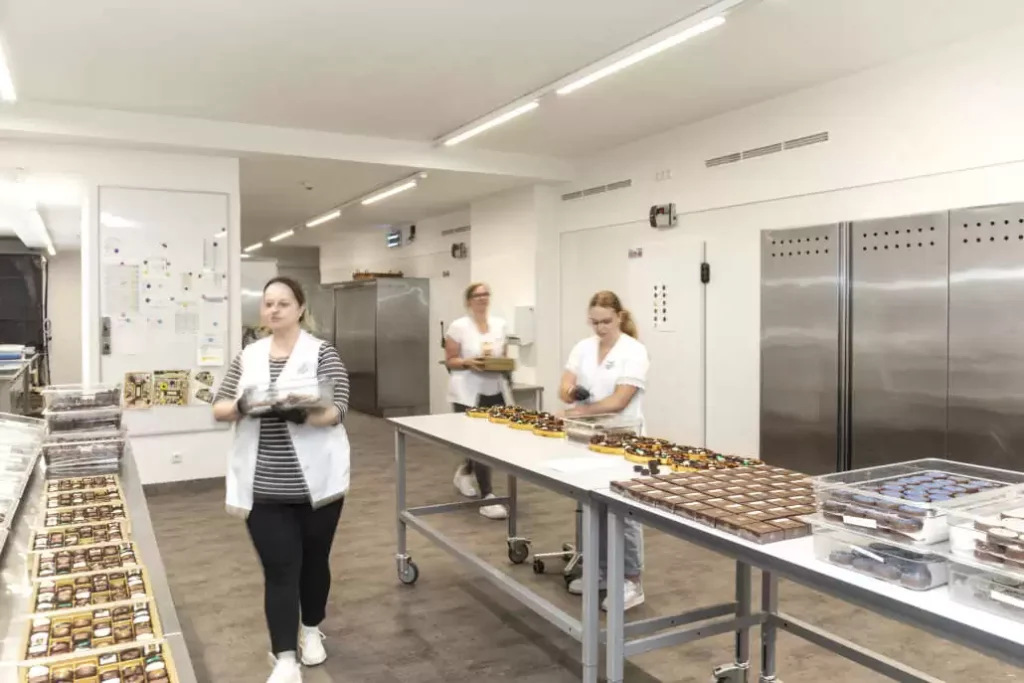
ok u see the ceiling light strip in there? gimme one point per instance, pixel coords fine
(7, 93)
(640, 55)
(374, 198)
(282, 236)
(323, 219)
(253, 247)
(492, 123)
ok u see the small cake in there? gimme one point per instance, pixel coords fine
(916, 578)
(551, 428)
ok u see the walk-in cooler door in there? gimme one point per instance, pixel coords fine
(800, 310)
(986, 336)
(898, 340)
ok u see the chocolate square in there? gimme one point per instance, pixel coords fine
(761, 532)
(720, 503)
(740, 498)
(792, 528)
(737, 508)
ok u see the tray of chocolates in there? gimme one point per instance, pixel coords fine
(81, 396)
(73, 561)
(985, 587)
(82, 484)
(83, 497)
(991, 533)
(584, 429)
(90, 590)
(84, 514)
(79, 535)
(83, 420)
(894, 563)
(910, 500)
(303, 393)
(762, 505)
(79, 632)
(149, 663)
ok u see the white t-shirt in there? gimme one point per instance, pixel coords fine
(465, 386)
(626, 363)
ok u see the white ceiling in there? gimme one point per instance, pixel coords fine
(274, 197)
(402, 69)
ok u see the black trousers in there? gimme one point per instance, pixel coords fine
(293, 542)
(482, 472)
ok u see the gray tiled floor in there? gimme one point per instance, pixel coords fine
(452, 627)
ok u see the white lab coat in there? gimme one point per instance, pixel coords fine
(626, 363)
(323, 452)
(465, 386)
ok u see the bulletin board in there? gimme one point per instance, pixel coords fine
(164, 302)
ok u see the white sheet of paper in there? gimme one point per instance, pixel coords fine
(121, 289)
(128, 335)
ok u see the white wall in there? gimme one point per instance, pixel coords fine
(935, 131)
(204, 454)
(65, 313)
(427, 257)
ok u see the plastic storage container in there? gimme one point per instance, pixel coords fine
(993, 590)
(583, 429)
(909, 500)
(81, 396)
(991, 533)
(892, 562)
(83, 420)
(298, 394)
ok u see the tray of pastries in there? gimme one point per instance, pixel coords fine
(81, 396)
(987, 587)
(991, 533)
(90, 590)
(79, 632)
(149, 663)
(305, 393)
(763, 504)
(910, 500)
(79, 535)
(73, 561)
(895, 563)
(503, 414)
(84, 514)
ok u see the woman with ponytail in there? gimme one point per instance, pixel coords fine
(607, 373)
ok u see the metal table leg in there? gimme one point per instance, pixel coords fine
(616, 622)
(770, 606)
(738, 671)
(592, 512)
(518, 548)
(407, 570)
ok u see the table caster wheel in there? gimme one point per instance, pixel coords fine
(518, 551)
(730, 673)
(409, 574)
(567, 550)
(538, 566)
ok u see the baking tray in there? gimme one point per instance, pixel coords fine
(52, 517)
(39, 586)
(138, 640)
(54, 485)
(160, 649)
(69, 534)
(43, 558)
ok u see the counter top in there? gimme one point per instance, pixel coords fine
(15, 585)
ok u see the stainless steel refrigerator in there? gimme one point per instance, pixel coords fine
(894, 339)
(381, 331)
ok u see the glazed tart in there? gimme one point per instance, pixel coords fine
(478, 413)
(525, 421)
(552, 428)
(608, 444)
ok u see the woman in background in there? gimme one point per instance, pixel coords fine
(288, 474)
(607, 373)
(467, 340)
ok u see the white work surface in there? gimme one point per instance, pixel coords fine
(785, 556)
(521, 452)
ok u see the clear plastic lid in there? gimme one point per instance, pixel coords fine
(309, 393)
(85, 436)
(81, 396)
(584, 428)
(894, 548)
(83, 420)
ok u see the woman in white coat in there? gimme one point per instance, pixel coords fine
(288, 475)
(607, 373)
(468, 339)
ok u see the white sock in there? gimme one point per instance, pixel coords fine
(286, 656)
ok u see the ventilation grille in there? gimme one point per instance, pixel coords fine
(795, 143)
(597, 189)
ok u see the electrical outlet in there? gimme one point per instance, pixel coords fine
(176, 458)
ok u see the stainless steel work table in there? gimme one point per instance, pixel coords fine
(932, 611)
(565, 468)
(15, 565)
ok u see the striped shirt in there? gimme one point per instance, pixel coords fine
(278, 473)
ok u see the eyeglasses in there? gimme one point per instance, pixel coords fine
(485, 295)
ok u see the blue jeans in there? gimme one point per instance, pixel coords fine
(634, 548)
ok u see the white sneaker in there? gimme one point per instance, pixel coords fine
(465, 483)
(633, 596)
(285, 671)
(576, 586)
(311, 646)
(493, 511)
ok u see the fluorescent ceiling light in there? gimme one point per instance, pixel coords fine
(649, 51)
(254, 247)
(7, 93)
(284, 235)
(246, 256)
(389, 193)
(496, 121)
(323, 219)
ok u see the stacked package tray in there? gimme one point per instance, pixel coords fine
(894, 522)
(20, 440)
(84, 437)
(93, 615)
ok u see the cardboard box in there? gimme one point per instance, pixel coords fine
(498, 364)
